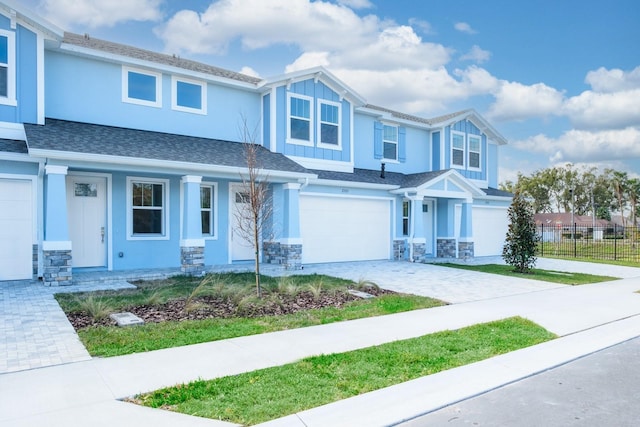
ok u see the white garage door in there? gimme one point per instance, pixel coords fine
(16, 228)
(489, 230)
(335, 229)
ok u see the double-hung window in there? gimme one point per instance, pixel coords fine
(457, 149)
(329, 129)
(300, 120)
(141, 87)
(147, 208)
(7, 68)
(474, 152)
(207, 209)
(188, 95)
(405, 217)
(390, 142)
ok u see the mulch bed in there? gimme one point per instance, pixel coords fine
(219, 307)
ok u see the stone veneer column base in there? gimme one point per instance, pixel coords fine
(465, 250)
(419, 252)
(192, 260)
(285, 254)
(446, 248)
(56, 268)
(34, 261)
(399, 250)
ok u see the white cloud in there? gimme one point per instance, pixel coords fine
(422, 25)
(100, 13)
(591, 110)
(586, 146)
(463, 27)
(356, 4)
(515, 101)
(249, 72)
(615, 80)
(476, 54)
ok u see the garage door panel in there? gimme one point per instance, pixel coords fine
(344, 229)
(489, 230)
(16, 228)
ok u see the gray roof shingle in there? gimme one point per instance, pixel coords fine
(160, 58)
(65, 136)
(495, 192)
(11, 146)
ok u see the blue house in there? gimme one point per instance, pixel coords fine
(116, 158)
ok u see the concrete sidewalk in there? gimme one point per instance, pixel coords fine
(588, 317)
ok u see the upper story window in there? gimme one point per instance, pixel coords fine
(7, 68)
(329, 129)
(457, 149)
(474, 152)
(207, 209)
(147, 208)
(141, 87)
(188, 95)
(390, 142)
(300, 116)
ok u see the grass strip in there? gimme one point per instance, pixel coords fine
(266, 394)
(561, 277)
(114, 341)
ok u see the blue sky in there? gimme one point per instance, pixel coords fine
(560, 79)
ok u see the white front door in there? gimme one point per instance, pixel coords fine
(427, 218)
(87, 205)
(241, 248)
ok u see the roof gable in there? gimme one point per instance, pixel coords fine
(17, 12)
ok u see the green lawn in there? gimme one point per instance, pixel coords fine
(266, 394)
(108, 341)
(562, 277)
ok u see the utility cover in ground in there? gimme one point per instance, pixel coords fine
(126, 319)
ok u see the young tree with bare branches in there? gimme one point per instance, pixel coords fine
(253, 213)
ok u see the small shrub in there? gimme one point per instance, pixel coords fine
(316, 288)
(365, 285)
(286, 286)
(96, 307)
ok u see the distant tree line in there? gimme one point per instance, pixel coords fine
(585, 189)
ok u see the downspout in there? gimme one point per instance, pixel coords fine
(411, 226)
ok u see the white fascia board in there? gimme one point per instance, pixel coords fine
(322, 164)
(14, 131)
(32, 21)
(352, 184)
(127, 60)
(473, 116)
(18, 157)
(125, 163)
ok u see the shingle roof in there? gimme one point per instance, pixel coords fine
(11, 146)
(368, 176)
(495, 192)
(160, 58)
(65, 136)
(399, 115)
(417, 179)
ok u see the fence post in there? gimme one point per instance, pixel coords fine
(542, 239)
(575, 250)
(615, 242)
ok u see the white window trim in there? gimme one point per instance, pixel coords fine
(397, 142)
(469, 151)
(290, 140)
(214, 209)
(464, 151)
(174, 95)
(320, 122)
(125, 87)
(165, 208)
(10, 99)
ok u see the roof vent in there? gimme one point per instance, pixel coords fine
(382, 167)
(86, 36)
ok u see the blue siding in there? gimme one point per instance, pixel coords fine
(266, 120)
(27, 75)
(76, 79)
(435, 157)
(493, 165)
(469, 129)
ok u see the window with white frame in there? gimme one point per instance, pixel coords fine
(329, 129)
(7, 68)
(188, 95)
(300, 120)
(474, 152)
(457, 149)
(390, 142)
(141, 87)
(207, 209)
(405, 217)
(147, 207)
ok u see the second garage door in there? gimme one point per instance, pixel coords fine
(16, 229)
(335, 229)
(489, 230)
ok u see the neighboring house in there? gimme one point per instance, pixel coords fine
(558, 225)
(116, 158)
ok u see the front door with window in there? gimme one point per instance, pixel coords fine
(241, 248)
(87, 213)
(427, 218)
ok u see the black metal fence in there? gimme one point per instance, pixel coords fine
(588, 242)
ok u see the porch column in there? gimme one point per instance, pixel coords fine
(287, 250)
(56, 247)
(192, 243)
(465, 242)
(418, 239)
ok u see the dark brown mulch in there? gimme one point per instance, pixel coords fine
(207, 307)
